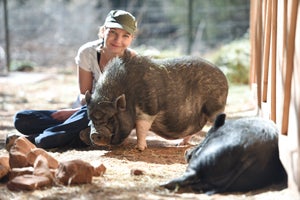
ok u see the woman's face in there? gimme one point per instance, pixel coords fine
(117, 40)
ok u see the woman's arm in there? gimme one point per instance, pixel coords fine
(63, 114)
(85, 80)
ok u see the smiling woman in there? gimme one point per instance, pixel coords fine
(58, 128)
(115, 36)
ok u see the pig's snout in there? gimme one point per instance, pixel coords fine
(99, 138)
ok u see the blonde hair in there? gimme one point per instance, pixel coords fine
(101, 32)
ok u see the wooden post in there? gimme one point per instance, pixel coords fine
(284, 29)
(258, 50)
(253, 28)
(289, 67)
(266, 56)
(273, 61)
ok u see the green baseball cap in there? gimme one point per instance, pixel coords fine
(121, 19)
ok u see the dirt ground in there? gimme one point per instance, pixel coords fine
(57, 88)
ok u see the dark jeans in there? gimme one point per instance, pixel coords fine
(48, 132)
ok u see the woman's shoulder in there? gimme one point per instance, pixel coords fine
(92, 45)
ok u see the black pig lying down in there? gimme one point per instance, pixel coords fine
(239, 155)
(174, 98)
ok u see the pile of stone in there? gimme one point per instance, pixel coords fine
(28, 168)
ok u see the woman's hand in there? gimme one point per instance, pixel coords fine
(63, 114)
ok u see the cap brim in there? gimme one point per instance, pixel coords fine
(117, 25)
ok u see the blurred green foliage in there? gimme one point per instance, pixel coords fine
(23, 65)
(215, 21)
(234, 60)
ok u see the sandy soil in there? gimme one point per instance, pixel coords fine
(162, 161)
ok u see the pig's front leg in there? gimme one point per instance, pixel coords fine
(142, 128)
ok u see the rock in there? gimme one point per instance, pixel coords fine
(74, 172)
(28, 182)
(34, 153)
(100, 170)
(10, 140)
(137, 172)
(22, 144)
(40, 176)
(47, 170)
(4, 166)
(17, 159)
(18, 152)
(41, 168)
(14, 172)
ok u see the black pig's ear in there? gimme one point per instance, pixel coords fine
(120, 103)
(220, 120)
(88, 97)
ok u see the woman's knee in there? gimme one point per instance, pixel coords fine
(33, 121)
(20, 122)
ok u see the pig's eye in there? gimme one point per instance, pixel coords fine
(111, 121)
(101, 118)
(109, 124)
(106, 122)
(98, 120)
(96, 116)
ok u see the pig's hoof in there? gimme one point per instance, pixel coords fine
(141, 147)
(185, 141)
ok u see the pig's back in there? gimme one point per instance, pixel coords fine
(188, 75)
(183, 93)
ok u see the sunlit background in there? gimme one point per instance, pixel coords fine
(48, 33)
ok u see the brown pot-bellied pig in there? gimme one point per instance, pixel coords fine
(174, 98)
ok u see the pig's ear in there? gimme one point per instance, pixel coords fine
(220, 120)
(88, 97)
(120, 103)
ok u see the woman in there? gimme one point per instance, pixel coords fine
(58, 128)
